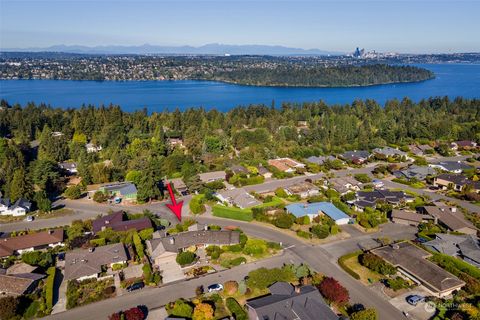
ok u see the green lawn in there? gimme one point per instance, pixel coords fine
(232, 213)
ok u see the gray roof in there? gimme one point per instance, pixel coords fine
(262, 170)
(212, 176)
(240, 197)
(124, 188)
(415, 172)
(320, 160)
(458, 179)
(22, 203)
(182, 240)
(457, 245)
(453, 220)
(452, 165)
(389, 151)
(372, 197)
(237, 169)
(84, 262)
(356, 154)
(409, 216)
(413, 260)
(286, 303)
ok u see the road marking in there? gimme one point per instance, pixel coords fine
(290, 247)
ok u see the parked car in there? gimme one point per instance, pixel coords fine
(215, 287)
(415, 299)
(61, 256)
(135, 286)
(29, 218)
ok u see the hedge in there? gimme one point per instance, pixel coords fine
(236, 309)
(341, 262)
(454, 265)
(49, 283)
(232, 213)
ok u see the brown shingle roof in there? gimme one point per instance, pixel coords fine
(14, 286)
(9, 245)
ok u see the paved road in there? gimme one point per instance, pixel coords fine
(157, 297)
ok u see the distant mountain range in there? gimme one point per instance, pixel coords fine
(213, 49)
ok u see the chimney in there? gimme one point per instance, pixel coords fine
(297, 289)
(453, 209)
(205, 227)
(171, 240)
(107, 221)
(91, 249)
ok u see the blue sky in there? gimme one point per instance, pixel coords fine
(382, 25)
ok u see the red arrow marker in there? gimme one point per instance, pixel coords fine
(174, 206)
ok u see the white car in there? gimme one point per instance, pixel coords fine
(215, 287)
(29, 218)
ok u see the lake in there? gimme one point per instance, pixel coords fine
(451, 80)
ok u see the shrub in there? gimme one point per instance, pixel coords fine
(146, 234)
(230, 287)
(214, 252)
(118, 266)
(341, 262)
(234, 248)
(255, 247)
(280, 192)
(49, 283)
(38, 258)
(321, 231)
(304, 234)
(196, 205)
(99, 197)
(138, 245)
(367, 314)
(274, 245)
(185, 258)
(73, 192)
(302, 220)
(238, 261)
(397, 283)
(8, 307)
(333, 291)
(98, 242)
(284, 221)
(134, 314)
(147, 272)
(203, 311)
(182, 309)
(376, 264)
(236, 309)
(362, 177)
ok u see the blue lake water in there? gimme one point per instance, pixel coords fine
(451, 80)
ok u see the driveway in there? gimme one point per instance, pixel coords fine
(422, 311)
(61, 297)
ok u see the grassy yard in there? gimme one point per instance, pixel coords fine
(363, 272)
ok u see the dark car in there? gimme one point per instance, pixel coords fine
(415, 299)
(136, 286)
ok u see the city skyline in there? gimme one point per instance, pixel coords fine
(385, 26)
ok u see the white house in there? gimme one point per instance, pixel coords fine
(19, 208)
(91, 148)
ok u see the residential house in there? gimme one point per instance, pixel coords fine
(388, 152)
(371, 198)
(409, 218)
(30, 242)
(315, 209)
(320, 160)
(450, 166)
(125, 191)
(212, 176)
(463, 247)
(463, 145)
(356, 156)
(412, 262)
(286, 164)
(179, 185)
(450, 218)
(18, 279)
(57, 134)
(303, 189)
(117, 222)
(19, 208)
(264, 172)
(456, 182)
(345, 184)
(163, 251)
(288, 302)
(237, 197)
(415, 172)
(419, 150)
(70, 167)
(92, 148)
(238, 169)
(81, 264)
(17, 285)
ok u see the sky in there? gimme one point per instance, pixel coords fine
(405, 26)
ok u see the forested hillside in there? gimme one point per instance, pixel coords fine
(138, 143)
